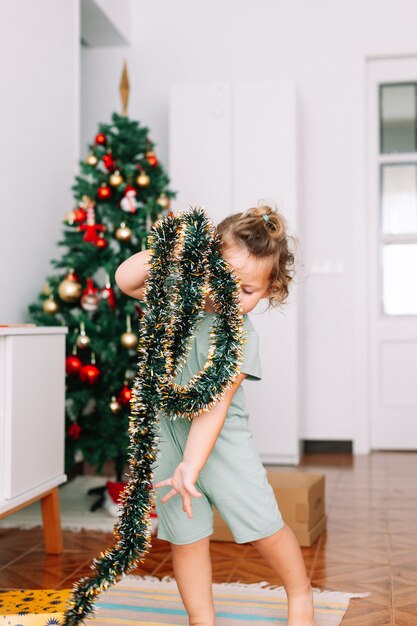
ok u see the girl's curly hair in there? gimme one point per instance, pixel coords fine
(263, 238)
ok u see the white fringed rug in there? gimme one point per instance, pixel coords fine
(140, 601)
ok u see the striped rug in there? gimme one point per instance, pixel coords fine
(136, 601)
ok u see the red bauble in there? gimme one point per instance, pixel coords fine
(72, 364)
(101, 139)
(74, 431)
(108, 161)
(103, 192)
(80, 215)
(89, 374)
(125, 395)
(151, 158)
(101, 242)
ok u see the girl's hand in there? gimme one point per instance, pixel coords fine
(183, 482)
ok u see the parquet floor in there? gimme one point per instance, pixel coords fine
(370, 543)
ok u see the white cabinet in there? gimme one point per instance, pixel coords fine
(32, 417)
(232, 144)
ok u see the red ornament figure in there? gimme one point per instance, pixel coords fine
(108, 161)
(125, 395)
(129, 202)
(90, 373)
(74, 431)
(107, 293)
(101, 139)
(103, 192)
(91, 228)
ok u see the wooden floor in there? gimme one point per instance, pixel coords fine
(370, 543)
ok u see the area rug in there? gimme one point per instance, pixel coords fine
(140, 601)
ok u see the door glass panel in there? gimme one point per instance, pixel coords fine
(399, 199)
(399, 263)
(398, 118)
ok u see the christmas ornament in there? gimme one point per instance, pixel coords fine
(73, 363)
(123, 233)
(143, 180)
(163, 201)
(80, 215)
(115, 406)
(103, 192)
(108, 161)
(151, 158)
(91, 159)
(89, 300)
(101, 242)
(50, 305)
(107, 293)
(69, 289)
(129, 202)
(91, 229)
(186, 250)
(83, 340)
(74, 431)
(101, 139)
(125, 395)
(46, 289)
(128, 339)
(90, 373)
(70, 217)
(116, 179)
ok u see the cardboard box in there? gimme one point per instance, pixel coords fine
(34, 607)
(300, 497)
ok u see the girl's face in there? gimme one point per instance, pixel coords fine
(253, 272)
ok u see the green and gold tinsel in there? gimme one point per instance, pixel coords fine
(185, 266)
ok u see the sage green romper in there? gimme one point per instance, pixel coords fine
(233, 478)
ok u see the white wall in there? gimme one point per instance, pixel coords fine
(39, 142)
(322, 47)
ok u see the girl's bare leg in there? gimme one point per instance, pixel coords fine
(282, 552)
(192, 570)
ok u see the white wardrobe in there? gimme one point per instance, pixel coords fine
(231, 145)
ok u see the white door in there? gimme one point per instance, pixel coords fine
(392, 175)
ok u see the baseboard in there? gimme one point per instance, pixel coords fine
(319, 446)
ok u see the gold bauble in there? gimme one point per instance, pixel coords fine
(123, 233)
(114, 405)
(143, 180)
(46, 289)
(163, 201)
(83, 341)
(129, 340)
(91, 159)
(116, 179)
(50, 306)
(69, 290)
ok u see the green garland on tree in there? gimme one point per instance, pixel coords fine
(185, 266)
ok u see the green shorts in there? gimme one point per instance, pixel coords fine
(233, 480)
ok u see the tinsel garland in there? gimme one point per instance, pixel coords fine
(185, 266)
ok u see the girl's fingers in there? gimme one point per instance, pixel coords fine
(186, 504)
(163, 483)
(169, 495)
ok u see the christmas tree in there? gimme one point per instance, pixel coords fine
(120, 192)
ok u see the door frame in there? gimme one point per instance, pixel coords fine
(364, 245)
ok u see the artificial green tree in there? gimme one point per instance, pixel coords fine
(120, 192)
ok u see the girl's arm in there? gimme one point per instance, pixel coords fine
(205, 429)
(131, 275)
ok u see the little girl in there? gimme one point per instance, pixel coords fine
(212, 458)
